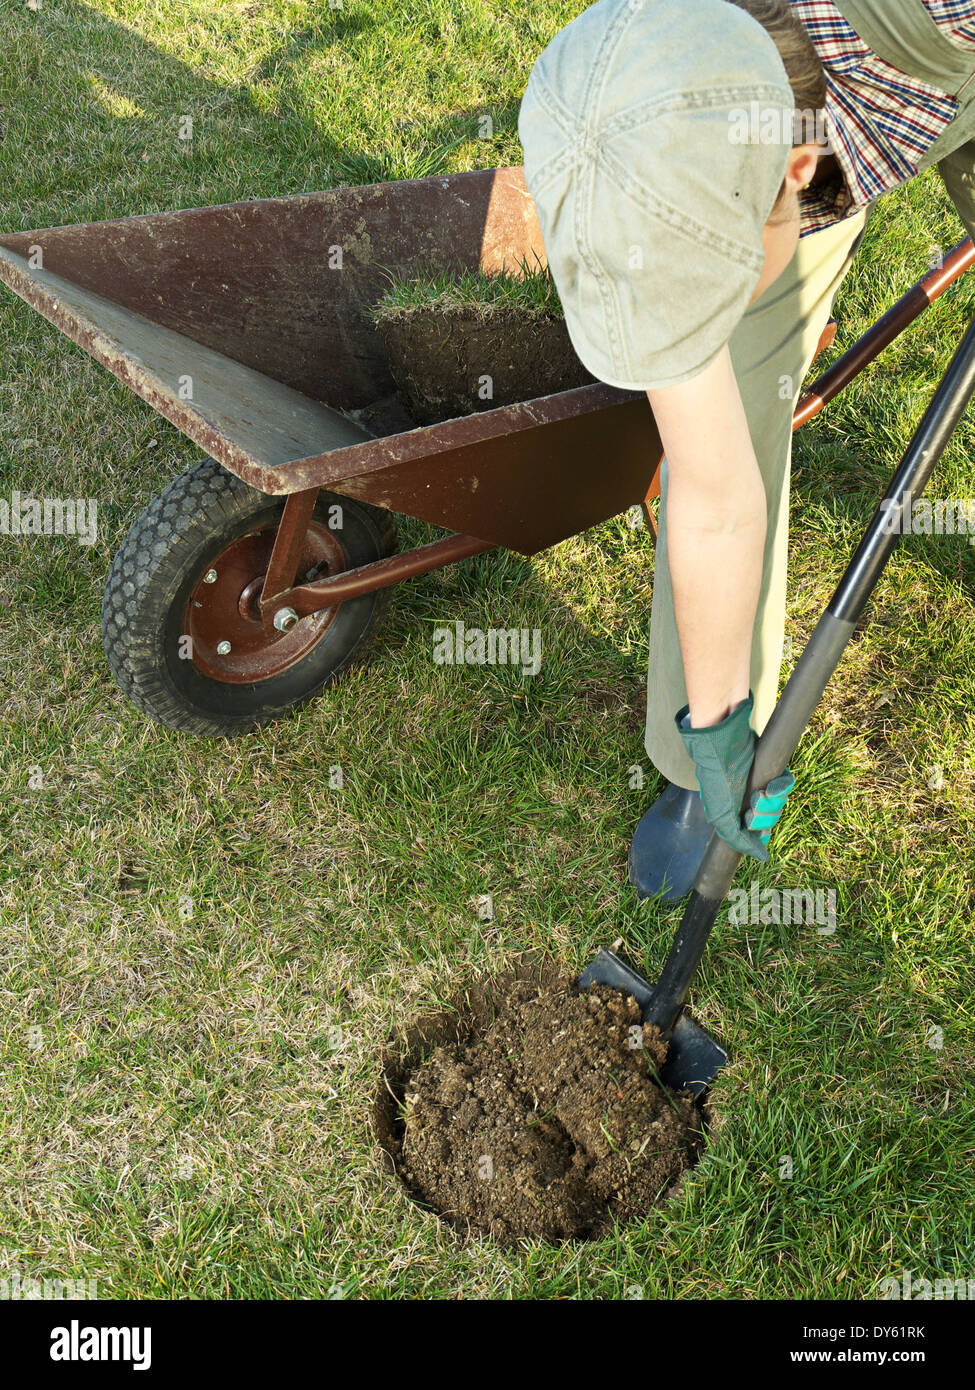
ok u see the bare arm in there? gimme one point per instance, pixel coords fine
(716, 524)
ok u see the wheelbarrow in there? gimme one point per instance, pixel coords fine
(255, 579)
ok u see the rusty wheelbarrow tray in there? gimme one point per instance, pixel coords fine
(245, 326)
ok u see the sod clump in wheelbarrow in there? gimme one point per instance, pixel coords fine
(534, 1111)
(462, 343)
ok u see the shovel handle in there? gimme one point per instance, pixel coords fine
(820, 657)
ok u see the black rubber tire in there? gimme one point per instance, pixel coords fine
(168, 548)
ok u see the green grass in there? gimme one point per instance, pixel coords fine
(187, 923)
(532, 290)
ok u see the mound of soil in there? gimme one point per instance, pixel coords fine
(440, 354)
(541, 1116)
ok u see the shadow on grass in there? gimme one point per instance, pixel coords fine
(119, 101)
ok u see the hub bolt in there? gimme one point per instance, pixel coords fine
(285, 619)
(223, 648)
(210, 577)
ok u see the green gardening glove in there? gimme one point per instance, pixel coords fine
(723, 755)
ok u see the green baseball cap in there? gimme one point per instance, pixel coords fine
(656, 135)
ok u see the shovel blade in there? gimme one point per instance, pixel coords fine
(694, 1058)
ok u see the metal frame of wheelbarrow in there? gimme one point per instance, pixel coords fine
(261, 304)
(694, 1057)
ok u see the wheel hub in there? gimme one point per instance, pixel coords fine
(223, 616)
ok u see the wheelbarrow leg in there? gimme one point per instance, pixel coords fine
(652, 492)
(286, 552)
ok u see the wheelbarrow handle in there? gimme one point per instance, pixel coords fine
(813, 670)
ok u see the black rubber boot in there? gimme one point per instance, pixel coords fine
(668, 845)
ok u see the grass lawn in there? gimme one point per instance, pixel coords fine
(188, 927)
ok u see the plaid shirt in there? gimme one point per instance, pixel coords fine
(879, 121)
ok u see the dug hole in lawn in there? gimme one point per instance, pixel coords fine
(529, 1108)
(456, 345)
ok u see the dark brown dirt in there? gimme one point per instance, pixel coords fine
(536, 1114)
(439, 356)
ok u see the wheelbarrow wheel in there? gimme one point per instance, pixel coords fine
(180, 626)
